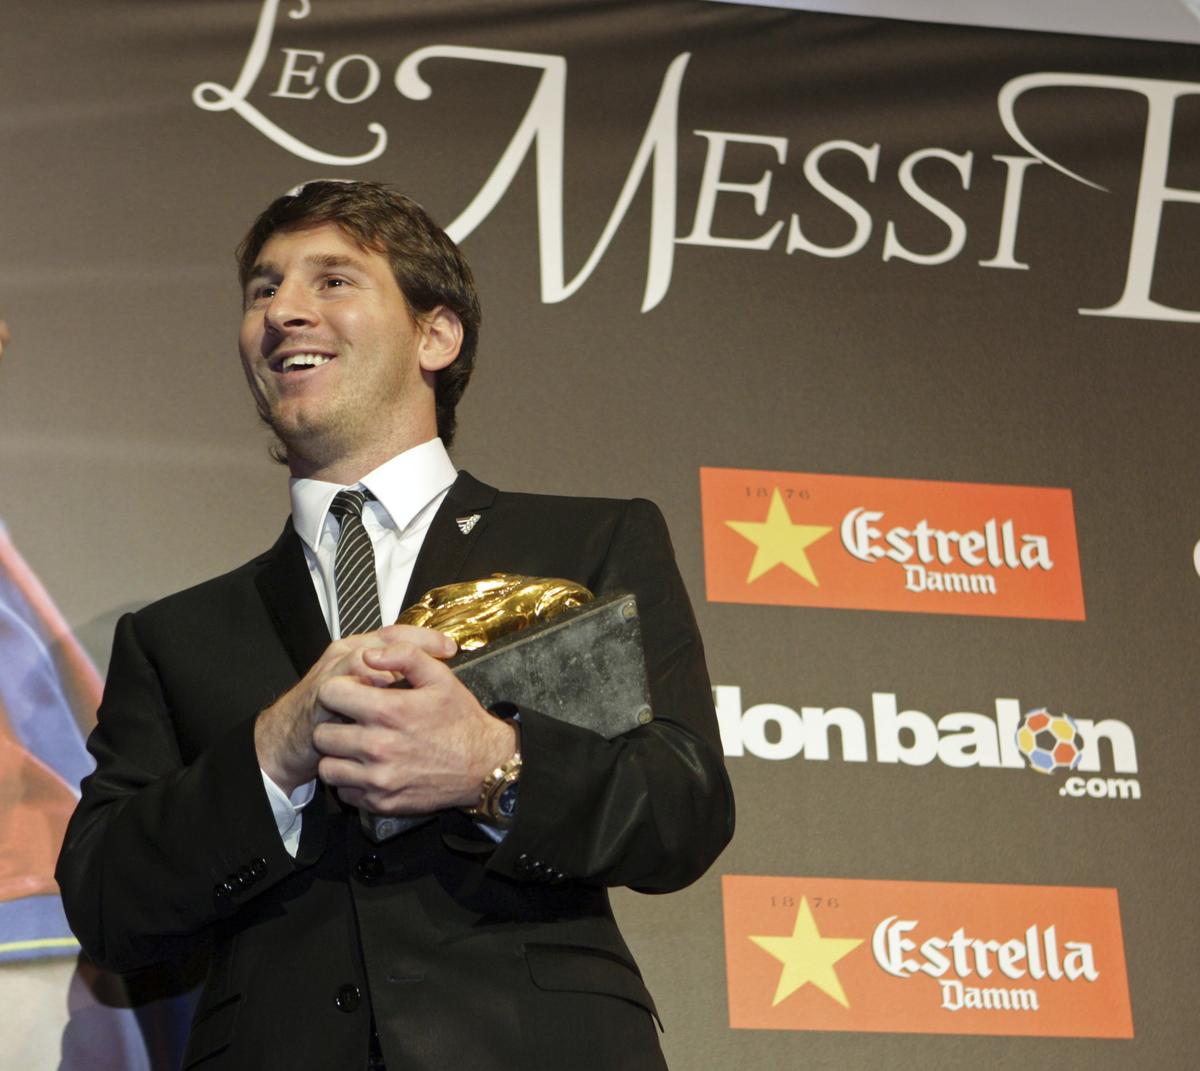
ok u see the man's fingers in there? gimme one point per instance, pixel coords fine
(355, 655)
(342, 773)
(349, 696)
(343, 740)
(428, 640)
(355, 665)
(411, 662)
(355, 797)
(355, 786)
(363, 744)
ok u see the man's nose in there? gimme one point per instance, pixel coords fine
(291, 306)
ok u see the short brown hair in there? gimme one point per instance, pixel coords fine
(428, 266)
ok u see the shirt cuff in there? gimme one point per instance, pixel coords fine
(286, 810)
(494, 832)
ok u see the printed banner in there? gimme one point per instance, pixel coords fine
(855, 542)
(924, 957)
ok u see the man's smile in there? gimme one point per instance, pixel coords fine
(292, 361)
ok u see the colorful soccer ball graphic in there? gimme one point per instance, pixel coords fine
(1050, 742)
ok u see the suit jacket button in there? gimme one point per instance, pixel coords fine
(369, 869)
(348, 997)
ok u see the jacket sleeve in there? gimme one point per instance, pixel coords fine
(652, 808)
(159, 850)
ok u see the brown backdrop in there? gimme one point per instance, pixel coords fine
(131, 464)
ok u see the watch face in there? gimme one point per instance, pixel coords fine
(506, 802)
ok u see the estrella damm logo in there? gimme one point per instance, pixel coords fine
(924, 957)
(864, 543)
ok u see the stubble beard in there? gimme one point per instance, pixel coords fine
(338, 426)
(315, 440)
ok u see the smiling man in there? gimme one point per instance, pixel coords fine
(246, 720)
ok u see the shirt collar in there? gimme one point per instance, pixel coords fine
(403, 485)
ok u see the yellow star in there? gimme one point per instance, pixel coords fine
(780, 542)
(808, 957)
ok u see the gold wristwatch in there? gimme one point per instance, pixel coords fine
(498, 793)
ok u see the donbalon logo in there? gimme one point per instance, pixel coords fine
(855, 542)
(924, 957)
(962, 739)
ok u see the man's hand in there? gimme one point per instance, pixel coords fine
(5, 336)
(283, 734)
(413, 750)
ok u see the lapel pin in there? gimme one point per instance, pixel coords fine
(465, 524)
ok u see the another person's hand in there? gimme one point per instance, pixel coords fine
(5, 336)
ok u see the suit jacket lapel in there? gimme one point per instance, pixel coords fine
(286, 589)
(446, 545)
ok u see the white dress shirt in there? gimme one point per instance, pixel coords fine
(408, 490)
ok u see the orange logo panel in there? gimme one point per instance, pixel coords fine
(856, 542)
(924, 957)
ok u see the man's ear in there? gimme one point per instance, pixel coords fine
(441, 339)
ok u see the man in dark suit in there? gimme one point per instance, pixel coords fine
(236, 742)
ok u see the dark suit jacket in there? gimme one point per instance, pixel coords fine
(470, 955)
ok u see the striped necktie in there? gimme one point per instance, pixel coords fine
(354, 567)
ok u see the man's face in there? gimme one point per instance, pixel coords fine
(331, 351)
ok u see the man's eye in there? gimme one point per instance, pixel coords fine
(262, 293)
(335, 281)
